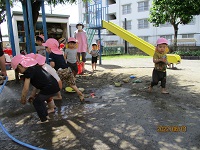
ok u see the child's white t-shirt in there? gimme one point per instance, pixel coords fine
(51, 70)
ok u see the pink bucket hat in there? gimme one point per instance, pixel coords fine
(53, 45)
(39, 58)
(162, 41)
(71, 39)
(16, 60)
(23, 60)
(32, 55)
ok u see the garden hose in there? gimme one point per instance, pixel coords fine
(9, 135)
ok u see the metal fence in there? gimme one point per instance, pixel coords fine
(118, 50)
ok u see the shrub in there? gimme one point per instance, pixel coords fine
(187, 53)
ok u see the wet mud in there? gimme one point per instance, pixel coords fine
(124, 117)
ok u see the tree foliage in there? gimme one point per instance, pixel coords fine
(35, 5)
(173, 11)
(2, 11)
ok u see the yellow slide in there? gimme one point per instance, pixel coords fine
(137, 42)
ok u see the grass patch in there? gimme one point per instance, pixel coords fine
(124, 57)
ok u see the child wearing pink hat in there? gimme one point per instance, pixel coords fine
(71, 56)
(41, 61)
(40, 79)
(57, 61)
(160, 60)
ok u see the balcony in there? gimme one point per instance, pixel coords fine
(110, 2)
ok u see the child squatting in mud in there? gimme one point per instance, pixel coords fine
(34, 74)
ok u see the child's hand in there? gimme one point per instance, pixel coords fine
(23, 101)
(163, 60)
(30, 99)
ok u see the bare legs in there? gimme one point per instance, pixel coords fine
(81, 96)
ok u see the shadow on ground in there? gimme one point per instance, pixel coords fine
(125, 117)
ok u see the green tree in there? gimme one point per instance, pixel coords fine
(175, 12)
(36, 4)
(35, 7)
(2, 15)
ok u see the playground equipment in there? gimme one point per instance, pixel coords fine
(137, 42)
(97, 21)
(8, 134)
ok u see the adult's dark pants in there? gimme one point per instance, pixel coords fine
(83, 54)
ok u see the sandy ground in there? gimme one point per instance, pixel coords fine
(125, 117)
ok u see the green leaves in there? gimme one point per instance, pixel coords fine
(174, 11)
(2, 11)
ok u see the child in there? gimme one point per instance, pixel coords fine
(41, 61)
(40, 79)
(95, 53)
(160, 60)
(62, 43)
(71, 55)
(39, 48)
(57, 61)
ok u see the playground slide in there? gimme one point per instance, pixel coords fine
(137, 42)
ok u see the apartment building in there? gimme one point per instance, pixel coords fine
(136, 13)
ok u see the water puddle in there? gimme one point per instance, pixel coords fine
(64, 112)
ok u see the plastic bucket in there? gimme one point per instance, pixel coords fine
(80, 67)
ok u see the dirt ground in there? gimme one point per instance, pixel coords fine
(125, 117)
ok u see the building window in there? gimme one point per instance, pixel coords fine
(167, 24)
(188, 36)
(143, 6)
(143, 23)
(168, 37)
(146, 38)
(110, 2)
(126, 9)
(192, 22)
(111, 16)
(128, 25)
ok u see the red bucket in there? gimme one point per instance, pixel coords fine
(8, 51)
(80, 67)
